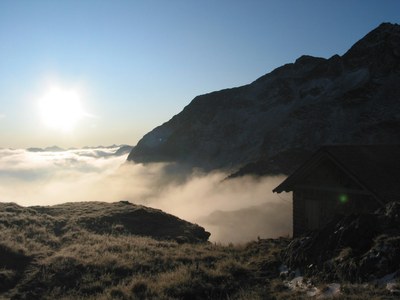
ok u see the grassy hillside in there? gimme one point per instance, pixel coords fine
(121, 217)
(74, 251)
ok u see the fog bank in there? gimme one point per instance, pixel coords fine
(236, 210)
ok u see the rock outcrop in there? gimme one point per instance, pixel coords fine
(357, 248)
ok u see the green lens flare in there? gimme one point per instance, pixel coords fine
(343, 198)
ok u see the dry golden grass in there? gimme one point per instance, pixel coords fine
(52, 257)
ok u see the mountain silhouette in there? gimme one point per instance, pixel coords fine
(288, 113)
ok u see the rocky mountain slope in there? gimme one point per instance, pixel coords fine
(352, 98)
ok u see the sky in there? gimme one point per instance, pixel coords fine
(92, 72)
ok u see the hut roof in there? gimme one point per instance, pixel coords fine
(375, 167)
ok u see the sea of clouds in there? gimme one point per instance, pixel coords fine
(235, 210)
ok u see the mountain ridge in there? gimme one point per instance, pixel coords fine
(297, 107)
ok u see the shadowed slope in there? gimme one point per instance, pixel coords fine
(351, 99)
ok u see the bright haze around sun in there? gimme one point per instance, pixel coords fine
(61, 108)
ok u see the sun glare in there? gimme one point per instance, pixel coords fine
(61, 108)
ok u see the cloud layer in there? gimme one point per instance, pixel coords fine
(234, 210)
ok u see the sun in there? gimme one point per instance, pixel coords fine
(61, 108)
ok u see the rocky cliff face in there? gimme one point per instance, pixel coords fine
(354, 98)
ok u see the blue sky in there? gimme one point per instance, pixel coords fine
(138, 63)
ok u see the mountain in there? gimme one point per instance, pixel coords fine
(47, 149)
(123, 149)
(354, 98)
(100, 151)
